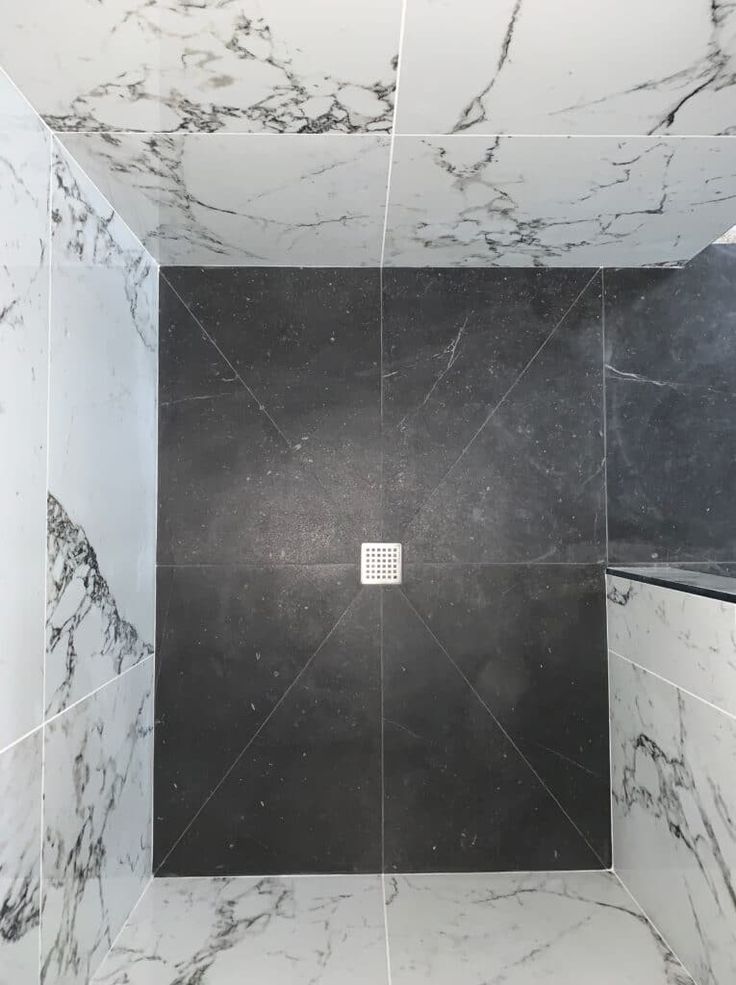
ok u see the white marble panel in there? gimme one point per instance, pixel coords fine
(519, 928)
(20, 851)
(558, 201)
(585, 66)
(24, 329)
(245, 200)
(304, 931)
(674, 816)
(102, 443)
(232, 65)
(97, 823)
(689, 639)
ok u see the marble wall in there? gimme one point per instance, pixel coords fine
(673, 704)
(78, 371)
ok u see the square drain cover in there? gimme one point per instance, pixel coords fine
(380, 564)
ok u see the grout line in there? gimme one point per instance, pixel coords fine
(22, 738)
(677, 687)
(503, 399)
(101, 687)
(652, 924)
(392, 140)
(259, 402)
(503, 730)
(258, 563)
(257, 732)
(100, 967)
(385, 928)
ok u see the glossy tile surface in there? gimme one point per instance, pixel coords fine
(674, 829)
(688, 639)
(97, 823)
(522, 928)
(304, 795)
(522, 201)
(232, 640)
(24, 275)
(20, 850)
(308, 200)
(670, 410)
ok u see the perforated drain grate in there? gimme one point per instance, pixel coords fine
(380, 564)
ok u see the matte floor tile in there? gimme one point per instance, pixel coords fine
(232, 640)
(305, 797)
(458, 796)
(454, 341)
(531, 639)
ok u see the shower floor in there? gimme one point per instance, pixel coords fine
(515, 929)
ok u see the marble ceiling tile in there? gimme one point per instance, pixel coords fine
(584, 67)
(260, 66)
(227, 199)
(471, 200)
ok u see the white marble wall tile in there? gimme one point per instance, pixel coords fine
(97, 823)
(674, 816)
(582, 67)
(102, 443)
(689, 639)
(24, 328)
(557, 201)
(305, 931)
(20, 851)
(231, 65)
(520, 928)
(245, 200)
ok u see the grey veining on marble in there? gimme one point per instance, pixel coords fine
(304, 931)
(102, 443)
(228, 65)
(519, 928)
(24, 275)
(297, 200)
(557, 201)
(688, 639)
(20, 849)
(674, 816)
(97, 823)
(585, 66)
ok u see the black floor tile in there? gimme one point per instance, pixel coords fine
(305, 797)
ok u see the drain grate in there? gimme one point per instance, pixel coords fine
(380, 564)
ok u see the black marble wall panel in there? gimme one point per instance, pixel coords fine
(456, 723)
(671, 411)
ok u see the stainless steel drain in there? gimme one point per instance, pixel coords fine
(380, 564)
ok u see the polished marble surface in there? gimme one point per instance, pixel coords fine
(706, 578)
(688, 639)
(97, 823)
(520, 201)
(24, 277)
(674, 813)
(230, 199)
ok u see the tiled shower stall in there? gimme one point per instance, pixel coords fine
(280, 280)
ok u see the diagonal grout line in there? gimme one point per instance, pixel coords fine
(501, 401)
(501, 727)
(259, 402)
(258, 731)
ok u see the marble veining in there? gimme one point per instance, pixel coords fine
(20, 843)
(315, 931)
(557, 201)
(97, 823)
(674, 816)
(255, 66)
(688, 639)
(308, 200)
(668, 66)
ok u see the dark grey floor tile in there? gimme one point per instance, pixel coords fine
(305, 797)
(232, 641)
(531, 639)
(530, 487)
(671, 472)
(454, 341)
(458, 796)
